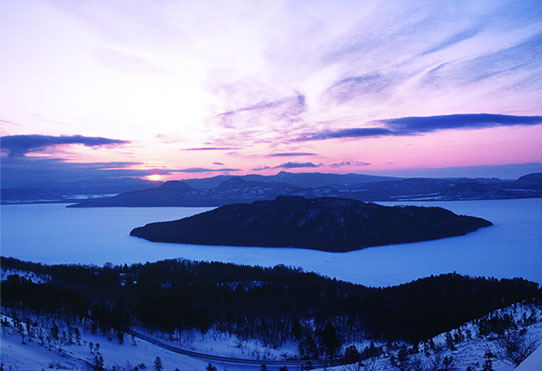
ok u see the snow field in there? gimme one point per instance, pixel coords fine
(123, 357)
(225, 344)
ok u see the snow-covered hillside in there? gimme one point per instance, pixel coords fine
(475, 346)
(32, 343)
(20, 351)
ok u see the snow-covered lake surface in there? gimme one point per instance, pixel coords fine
(52, 233)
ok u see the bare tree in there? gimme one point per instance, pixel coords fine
(514, 347)
(434, 362)
(369, 364)
(357, 366)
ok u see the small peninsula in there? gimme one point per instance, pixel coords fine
(326, 223)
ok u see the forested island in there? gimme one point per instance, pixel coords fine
(326, 223)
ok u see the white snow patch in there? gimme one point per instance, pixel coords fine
(533, 362)
(31, 276)
(227, 345)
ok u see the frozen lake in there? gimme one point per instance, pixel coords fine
(52, 233)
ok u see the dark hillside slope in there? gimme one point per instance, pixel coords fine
(173, 193)
(274, 305)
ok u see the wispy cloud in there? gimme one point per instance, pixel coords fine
(210, 149)
(7, 122)
(292, 154)
(349, 163)
(218, 163)
(238, 84)
(375, 84)
(426, 53)
(282, 109)
(420, 125)
(202, 170)
(295, 165)
(453, 39)
(519, 63)
(261, 168)
(345, 133)
(125, 62)
(20, 145)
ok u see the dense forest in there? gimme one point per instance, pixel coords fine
(271, 304)
(324, 223)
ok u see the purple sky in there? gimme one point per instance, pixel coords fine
(192, 89)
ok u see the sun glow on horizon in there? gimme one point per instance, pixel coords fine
(154, 177)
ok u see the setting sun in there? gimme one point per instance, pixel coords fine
(154, 177)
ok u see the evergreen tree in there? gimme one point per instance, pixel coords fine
(488, 364)
(330, 341)
(77, 336)
(450, 341)
(297, 331)
(401, 362)
(447, 363)
(351, 354)
(98, 363)
(54, 331)
(120, 336)
(158, 364)
(307, 347)
(210, 367)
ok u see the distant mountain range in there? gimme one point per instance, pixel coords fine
(326, 223)
(225, 189)
(230, 189)
(302, 180)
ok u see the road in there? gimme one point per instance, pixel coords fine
(271, 365)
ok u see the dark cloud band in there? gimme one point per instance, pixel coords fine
(20, 145)
(19, 170)
(295, 165)
(415, 125)
(201, 170)
(420, 125)
(345, 133)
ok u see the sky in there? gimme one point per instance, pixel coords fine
(184, 89)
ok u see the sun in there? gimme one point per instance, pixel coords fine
(154, 177)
